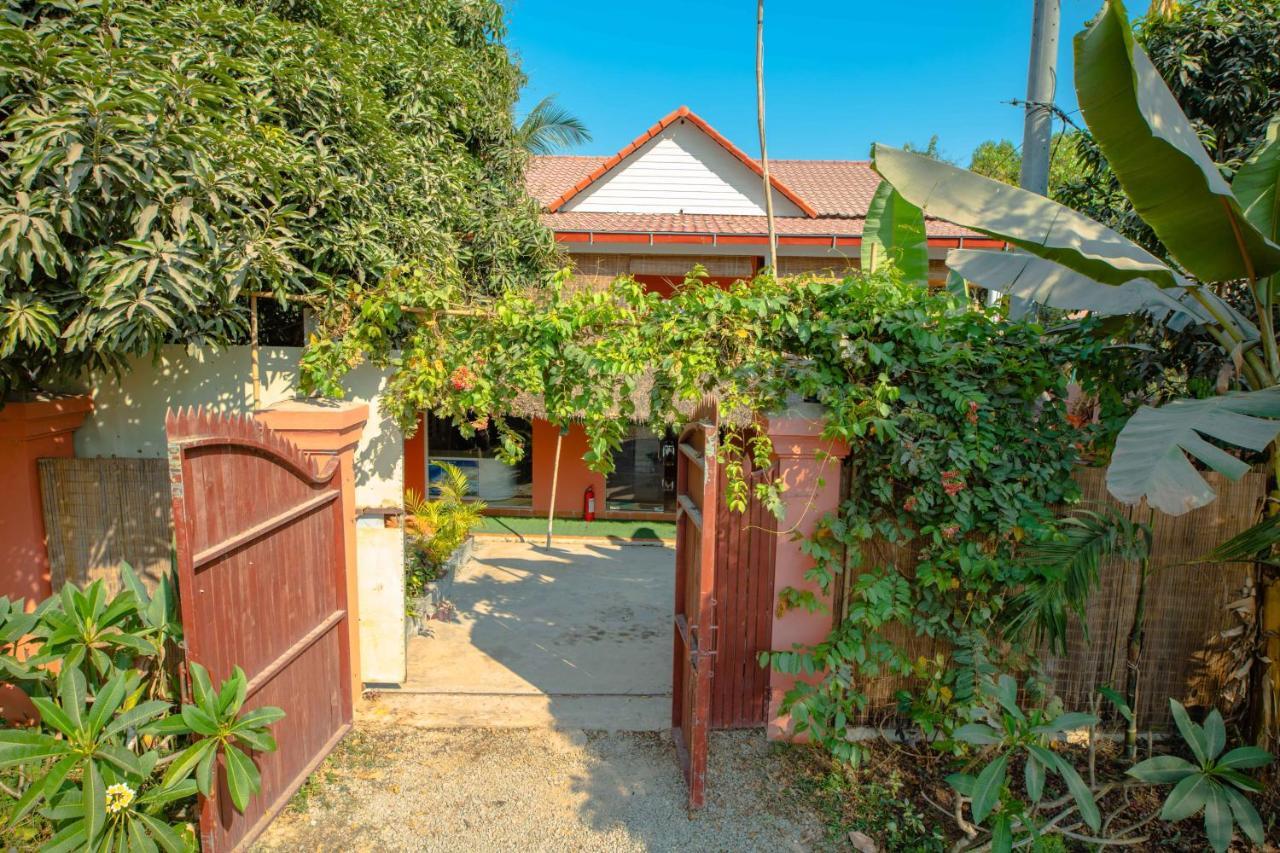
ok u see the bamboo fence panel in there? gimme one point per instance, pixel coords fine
(100, 512)
(1192, 611)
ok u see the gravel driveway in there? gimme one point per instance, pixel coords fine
(394, 787)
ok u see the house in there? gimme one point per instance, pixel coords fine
(679, 194)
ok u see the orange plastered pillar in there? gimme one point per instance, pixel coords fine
(30, 432)
(809, 468)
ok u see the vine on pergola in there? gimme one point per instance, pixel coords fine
(961, 445)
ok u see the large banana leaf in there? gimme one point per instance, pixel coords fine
(1029, 221)
(894, 231)
(1157, 156)
(1047, 283)
(1149, 459)
(1257, 188)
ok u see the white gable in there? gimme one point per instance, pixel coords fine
(681, 170)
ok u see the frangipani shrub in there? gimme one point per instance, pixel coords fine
(116, 761)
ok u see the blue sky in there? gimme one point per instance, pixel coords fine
(840, 74)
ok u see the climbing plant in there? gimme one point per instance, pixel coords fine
(957, 421)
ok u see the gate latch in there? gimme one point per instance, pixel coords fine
(695, 651)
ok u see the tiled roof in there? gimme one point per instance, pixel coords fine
(710, 223)
(838, 190)
(832, 187)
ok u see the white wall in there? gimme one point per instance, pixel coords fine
(680, 170)
(128, 416)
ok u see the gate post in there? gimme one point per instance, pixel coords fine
(28, 432)
(330, 428)
(809, 467)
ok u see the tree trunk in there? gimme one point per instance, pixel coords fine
(1133, 664)
(555, 477)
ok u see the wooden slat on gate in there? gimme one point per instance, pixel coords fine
(261, 573)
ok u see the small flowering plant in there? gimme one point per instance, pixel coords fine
(112, 762)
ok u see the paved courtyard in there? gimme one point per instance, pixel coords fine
(577, 636)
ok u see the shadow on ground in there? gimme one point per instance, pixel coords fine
(584, 630)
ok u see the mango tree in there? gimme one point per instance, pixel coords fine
(1219, 234)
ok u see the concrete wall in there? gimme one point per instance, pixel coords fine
(128, 421)
(128, 417)
(381, 594)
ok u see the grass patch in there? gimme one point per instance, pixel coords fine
(536, 528)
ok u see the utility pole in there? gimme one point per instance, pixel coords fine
(1037, 128)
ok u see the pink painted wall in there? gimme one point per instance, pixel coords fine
(810, 467)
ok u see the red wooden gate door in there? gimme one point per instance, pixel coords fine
(695, 635)
(261, 574)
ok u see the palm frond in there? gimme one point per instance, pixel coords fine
(1067, 566)
(1248, 545)
(549, 128)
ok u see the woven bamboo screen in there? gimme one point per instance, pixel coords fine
(100, 512)
(1192, 611)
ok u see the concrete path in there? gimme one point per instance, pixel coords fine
(578, 636)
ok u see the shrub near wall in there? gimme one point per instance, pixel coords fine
(115, 761)
(963, 456)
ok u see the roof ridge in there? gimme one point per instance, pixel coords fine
(682, 112)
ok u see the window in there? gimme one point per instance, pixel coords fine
(644, 476)
(492, 480)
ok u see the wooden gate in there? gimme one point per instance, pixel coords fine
(261, 573)
(697, 481)
(745, 549)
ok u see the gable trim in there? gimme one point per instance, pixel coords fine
(668, 120)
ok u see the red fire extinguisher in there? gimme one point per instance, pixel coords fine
(589, 504)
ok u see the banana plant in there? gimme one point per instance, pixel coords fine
(1212, 784)
(1216, 232)
(894, 233)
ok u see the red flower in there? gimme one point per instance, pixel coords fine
(910, 504)
(972, 417)
(953, 487)
(462, 379)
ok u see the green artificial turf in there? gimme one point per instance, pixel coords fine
(531, 527)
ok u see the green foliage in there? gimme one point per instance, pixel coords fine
(1159, 160)
(438, 526)
(110, 765)
(1006, 731)
(877, 805)
(1213, 783)
(1221, 60)
(894, 233)
(164, 157)
(956, 417)
(1002, 160)
(1068, 565)
(1178, 190)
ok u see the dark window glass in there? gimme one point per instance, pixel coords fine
(643, 479)
(492, 480)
